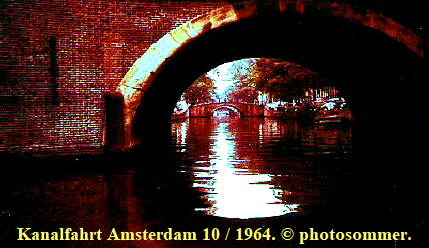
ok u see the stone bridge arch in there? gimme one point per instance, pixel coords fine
(242, 109)
(231, 108)
(354, 49)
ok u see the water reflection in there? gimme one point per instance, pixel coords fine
(256, 167)
(232, 191)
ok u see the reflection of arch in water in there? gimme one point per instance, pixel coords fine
(227, 107)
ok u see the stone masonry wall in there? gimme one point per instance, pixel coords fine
(96, 43)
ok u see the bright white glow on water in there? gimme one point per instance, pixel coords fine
(234, 192)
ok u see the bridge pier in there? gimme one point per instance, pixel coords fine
(114, 128)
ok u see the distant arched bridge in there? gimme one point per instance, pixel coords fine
(355, 46)
(243, 109)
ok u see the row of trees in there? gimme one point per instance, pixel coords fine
(275, 79)
(201, 91)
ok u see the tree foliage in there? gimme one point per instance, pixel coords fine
(282, 80)
(243, 94)
(200, 92)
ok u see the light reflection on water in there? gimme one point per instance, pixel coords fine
(234, 192)
(241, 177)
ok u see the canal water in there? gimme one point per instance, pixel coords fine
(234, 175)
(261, 167)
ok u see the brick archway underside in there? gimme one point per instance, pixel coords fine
(333, 39)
